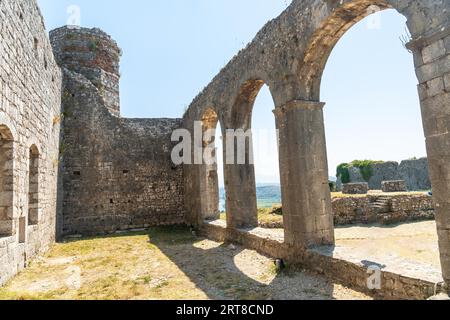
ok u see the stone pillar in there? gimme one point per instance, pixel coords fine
(307, 213)
(241, 204)
(240, 186)
(209, 192)
(432, 61)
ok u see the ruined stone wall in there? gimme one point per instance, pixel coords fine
(385, 209)
(414, 172)
(373, 208)
(118, 173)
(94, 54)
(30, 83)
(289, 55)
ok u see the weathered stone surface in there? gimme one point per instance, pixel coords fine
(292, 67)
(30, 106)
(374, 208)
(355, 188)
(380, 172)
(382, 209)
(433, 52)
(116, 173)
(95, 55)
(335, 262)
(393, 186)
(415, 172)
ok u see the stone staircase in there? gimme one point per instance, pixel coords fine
(382, 204)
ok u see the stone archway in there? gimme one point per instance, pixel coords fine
(290, 52)
(240, 180)
(323, 41)
(431, 59)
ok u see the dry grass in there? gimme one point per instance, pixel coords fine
(163, 263)
(265, 218)
(118, 267)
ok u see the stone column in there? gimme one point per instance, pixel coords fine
(240, 186)
(241, 204)
(307, 213)
(432, 61)
(209, 192)
(209, 180)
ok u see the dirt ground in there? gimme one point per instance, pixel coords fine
(415, 241)
(164, 263)
(410, 249)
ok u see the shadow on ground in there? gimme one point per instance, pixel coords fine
(226, 271)
(163, 263)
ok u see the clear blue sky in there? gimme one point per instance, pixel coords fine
(173, 48)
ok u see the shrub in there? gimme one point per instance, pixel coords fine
(343, 172)
(277, 210)
(364, 166)
(333, 186)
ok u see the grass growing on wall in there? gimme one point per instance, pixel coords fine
(364, 166)
(343, 172)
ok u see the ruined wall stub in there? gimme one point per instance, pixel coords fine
(415, 172)
(118, 173)
(289, 55)
(30, 103)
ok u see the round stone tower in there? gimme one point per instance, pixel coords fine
(94, 54)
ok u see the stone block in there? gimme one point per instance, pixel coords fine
(433, 51)
(447, 82)
(355, 188)
(435, 86)
(394, 186)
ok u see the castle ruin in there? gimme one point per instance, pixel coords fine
(71, 165)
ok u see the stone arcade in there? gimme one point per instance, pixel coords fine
(71, 165)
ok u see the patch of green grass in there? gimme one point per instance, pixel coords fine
(266, 218)
(343, 172)
(365, 167)
(171, 235)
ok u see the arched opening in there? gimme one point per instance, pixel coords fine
(380, 119)
(266, 160)
(326, 38)
(219, 145)
(239, 172)
(372, 113)
(6, 181)
(210, 177)
(33, 186)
